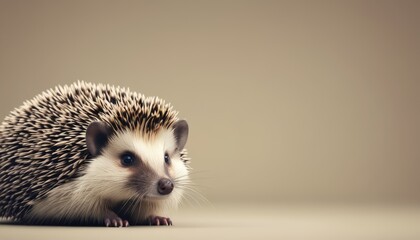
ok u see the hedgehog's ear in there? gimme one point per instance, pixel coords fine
(97, 136)
(181, 133)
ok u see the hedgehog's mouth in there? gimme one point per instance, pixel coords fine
(155, 197)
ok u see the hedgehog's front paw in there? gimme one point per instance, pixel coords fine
(112, 220)
(157, 221)
(115, 222)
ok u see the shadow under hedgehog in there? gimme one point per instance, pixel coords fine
(92, 154)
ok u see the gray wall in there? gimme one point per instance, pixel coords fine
(287, 101)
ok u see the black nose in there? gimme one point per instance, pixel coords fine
(165, 186)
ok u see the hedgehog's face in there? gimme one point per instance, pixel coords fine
(150, 169)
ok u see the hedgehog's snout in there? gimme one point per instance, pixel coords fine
(165, 186)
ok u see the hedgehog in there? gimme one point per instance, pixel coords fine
(92, 154)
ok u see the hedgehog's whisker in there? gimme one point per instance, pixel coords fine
(189, 199)
(127, 201)
(192, 191)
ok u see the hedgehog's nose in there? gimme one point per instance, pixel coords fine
(165, 186)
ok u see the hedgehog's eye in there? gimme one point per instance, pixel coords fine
(167, 159)
(127, 159)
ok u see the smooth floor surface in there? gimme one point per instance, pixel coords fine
(252, 221)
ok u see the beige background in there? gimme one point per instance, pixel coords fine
(288, 101)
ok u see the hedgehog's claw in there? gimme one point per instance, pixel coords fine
(158, 221)
(112, 220)
(116, 222)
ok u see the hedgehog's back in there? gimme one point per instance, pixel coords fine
(40, 145)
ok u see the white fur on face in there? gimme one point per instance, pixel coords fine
(151, 152)
(105, 180)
